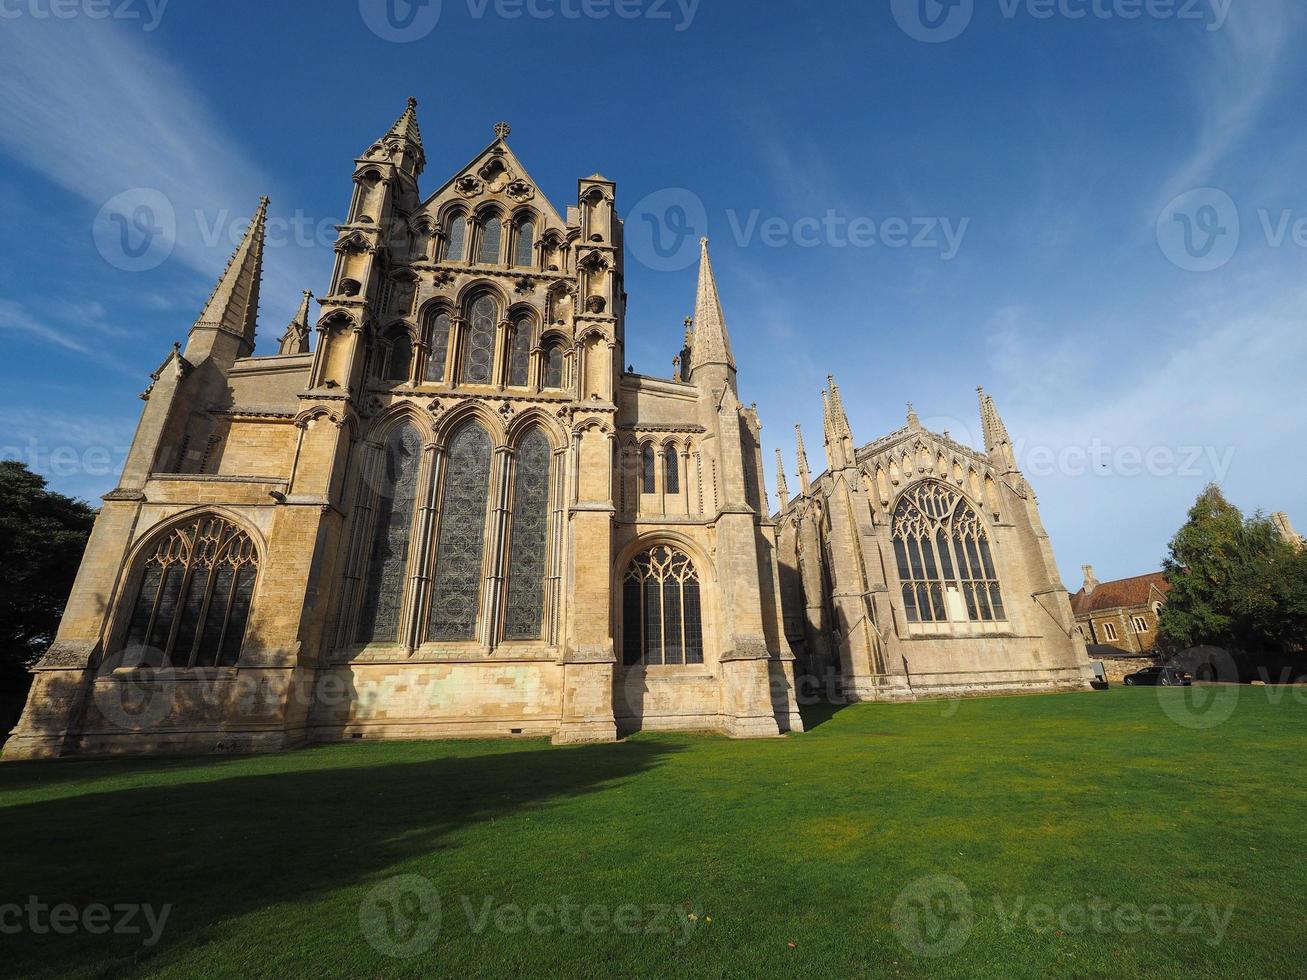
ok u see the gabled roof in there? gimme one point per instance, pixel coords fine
(510, 160)
(1122, 594)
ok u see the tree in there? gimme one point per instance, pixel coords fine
(42, 537)
(1235, 582)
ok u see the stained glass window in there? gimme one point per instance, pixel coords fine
(647, 484)
(439, 348)
(519, 358)
(383, 585)
(193, 601)
(491, 232)
(671, 470)
(554, 367)
(662, 619)
(456, 238)
(456, 590)
(526, 559)
(941, 547)
(524, 244)
(400, 358)
(478, 360)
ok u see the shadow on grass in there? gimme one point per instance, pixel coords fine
(221, 848)
(817, 713)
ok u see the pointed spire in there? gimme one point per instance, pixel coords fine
(994, 430)
(296, 338)
(805, 477)
(406, 126)
(840, 418)
(233, 306)
(913, 421)
(712, 344)
(782, 487)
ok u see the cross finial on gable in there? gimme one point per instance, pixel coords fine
(502, 129)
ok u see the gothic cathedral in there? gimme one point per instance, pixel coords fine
(455, 514)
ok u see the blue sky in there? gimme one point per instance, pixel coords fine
(919, 198)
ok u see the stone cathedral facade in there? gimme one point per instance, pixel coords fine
(916, 566)
(442, 508)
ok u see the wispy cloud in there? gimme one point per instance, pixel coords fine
(1233, 74)
(95, 109)
(14, 317)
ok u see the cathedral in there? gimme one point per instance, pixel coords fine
(443, 509)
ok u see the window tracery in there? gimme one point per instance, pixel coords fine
(662, 621)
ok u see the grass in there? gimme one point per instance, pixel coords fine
(796, 848)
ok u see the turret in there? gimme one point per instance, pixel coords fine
(296, 338)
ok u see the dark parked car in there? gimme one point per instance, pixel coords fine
(1159, 677)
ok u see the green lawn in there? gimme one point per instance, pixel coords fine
(1056, 818)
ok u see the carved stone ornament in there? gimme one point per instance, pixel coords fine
(468, 186)
(520, 191)
(443, 278)
(596, 304)
(524, 285)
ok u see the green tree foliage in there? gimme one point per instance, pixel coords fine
(1235, 582)
(42, 537)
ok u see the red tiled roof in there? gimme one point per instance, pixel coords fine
(1123, 593)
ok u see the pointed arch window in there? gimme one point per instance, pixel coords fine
(647, 482)
(440, 325)
(524, 243)
(519, 356)
(492, 230)
(524, 617)
(456, 237)
(478, 361)
(662, 621)
(456, 589)
(400, 357)
(671, 470)
(383, 584)
(945, 565)
(193, 601)
(553, 366)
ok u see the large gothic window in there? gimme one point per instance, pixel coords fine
(456, 590)
(519, 357)
(194, 596)
(383, 589)
(492, 230)
(944, 559)
(479, 358)
(456, 238)
(662, 620)
(524, 243)
(439, 347)
(526, 560)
